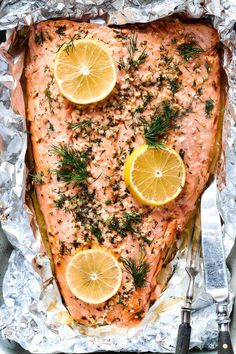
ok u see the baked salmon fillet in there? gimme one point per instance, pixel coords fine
(169, 73)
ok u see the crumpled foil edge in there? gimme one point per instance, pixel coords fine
(33, 313)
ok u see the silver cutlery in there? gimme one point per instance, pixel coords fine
(216, 282)
(192, 268)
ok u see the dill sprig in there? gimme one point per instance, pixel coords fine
(114, 224)
(146, 239)
(120, 35)
(69, 45)
(146, 100)
(63, 248)
(38, 177)
(163, 120)
(126, 224)
(174, 85)
(59, 203)
(39, 38)
(138, 270)
(68, 176)
(189, 50)
(48, 95)
(75, 244)
(66, 202)
(132, 45)
(97, 233)
(132, 61)
(209, 105)
(129, 220)
(60, 30)
(83, 124)
(72, 166)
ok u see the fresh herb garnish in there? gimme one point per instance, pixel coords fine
(199, 91)
(39, 38)
(83, 124)
(48, 95)
(160, 81)
(120, 35)
(146, 100)
(75, 243)
(138, 270)
(174, 85)
(196, 66)
(167, 60)
(126, 224)
(120, 302)
(132, 61)
(51, 127)
(113, 224)
(97, 233)
(162, 121)
(59, 203)
(132, 46)
(72, 166)
(63, 248)
(69, 45)
(60, 30)
(189, 50)
(108, 201)
(146, 239)
(129, 220)
(209, 105)
(38, 177)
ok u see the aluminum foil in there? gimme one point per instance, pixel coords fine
(33, 313)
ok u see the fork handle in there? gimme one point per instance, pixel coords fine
(183, 339)
(224, 340)
(224, 343)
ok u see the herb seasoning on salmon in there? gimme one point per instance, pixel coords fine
(167, 92)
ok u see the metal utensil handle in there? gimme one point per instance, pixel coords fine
(224, 343)
(184, 332)
(183, 339)
(224, 340)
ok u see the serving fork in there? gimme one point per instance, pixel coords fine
(209, 234)
(192, 268)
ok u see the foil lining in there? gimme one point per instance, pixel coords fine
(33, 313)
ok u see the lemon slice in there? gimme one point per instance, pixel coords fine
(154, 176)
(93, 276)
(85, 71)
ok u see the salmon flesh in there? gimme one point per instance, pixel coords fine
(166, 65)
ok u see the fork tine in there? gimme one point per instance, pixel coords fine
(190, 247)
(197, 238)
(194, 247)
(198, 252)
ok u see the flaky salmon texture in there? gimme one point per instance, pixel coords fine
(168, 72)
